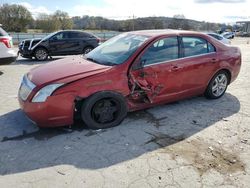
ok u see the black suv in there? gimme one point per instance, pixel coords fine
(67, 42)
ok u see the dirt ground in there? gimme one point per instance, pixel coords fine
(190, 143)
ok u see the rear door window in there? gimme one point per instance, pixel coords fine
(75, 35)
(193, 46)
(3, 33)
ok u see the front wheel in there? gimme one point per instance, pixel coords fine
(218, 85)
(41, 54)
(104, 110)
(87, 50)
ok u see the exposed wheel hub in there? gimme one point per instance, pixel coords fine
(104, 111)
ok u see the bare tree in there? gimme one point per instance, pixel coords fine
(64, 19)
(58, 21)
(47, 23)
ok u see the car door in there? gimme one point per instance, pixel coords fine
(197, 64)
(58, 43)
(157, 70)
(75, 42)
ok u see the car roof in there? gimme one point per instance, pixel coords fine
(213, 34)
(158, 32)
(72, 30)
(165, 32)
(79, 31)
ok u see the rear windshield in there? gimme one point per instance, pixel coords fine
(3, 33)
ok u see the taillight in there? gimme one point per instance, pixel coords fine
(6, 41)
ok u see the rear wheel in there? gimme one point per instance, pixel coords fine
(104, 110)
(41, 54)
(218, 85)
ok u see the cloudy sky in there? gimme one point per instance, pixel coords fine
(225, 11)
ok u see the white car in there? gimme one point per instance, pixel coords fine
(228, 35)
(7, 53)
(220, 38)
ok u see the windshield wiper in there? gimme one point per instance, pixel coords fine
(101, 63)
(109, 63)
(93, 60)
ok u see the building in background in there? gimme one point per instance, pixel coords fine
(245, 26)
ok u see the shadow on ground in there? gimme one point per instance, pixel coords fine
(24, 147)
(33, 61)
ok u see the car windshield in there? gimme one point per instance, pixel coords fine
(48, 36)
(116, 50)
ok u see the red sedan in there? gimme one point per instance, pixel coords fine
(132, 71)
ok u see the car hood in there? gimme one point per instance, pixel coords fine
(34, 39)
(65, 70)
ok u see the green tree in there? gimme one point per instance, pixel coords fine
(15, 17)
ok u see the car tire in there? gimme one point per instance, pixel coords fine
(104, 110)
(87, 50)
(217, 85)
(41, 54)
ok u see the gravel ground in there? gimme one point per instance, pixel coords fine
(190, 143)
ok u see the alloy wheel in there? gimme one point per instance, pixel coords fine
(219, 85)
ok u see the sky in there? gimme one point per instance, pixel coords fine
(220, 11)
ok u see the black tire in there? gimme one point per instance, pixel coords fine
(41, 54)
(217, 85)
(103, 110)
(87, 49)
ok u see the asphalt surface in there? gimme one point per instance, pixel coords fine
(189, 143)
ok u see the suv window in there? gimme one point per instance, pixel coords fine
(78, 35)
(3, 33)
(60, 36)
(162, 50)
(193, 46)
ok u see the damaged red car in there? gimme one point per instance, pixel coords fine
(132, 71)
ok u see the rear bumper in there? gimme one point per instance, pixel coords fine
(7, 60)
(236, 67)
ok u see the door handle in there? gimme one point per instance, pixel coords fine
(175, 68)
(213, 60)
